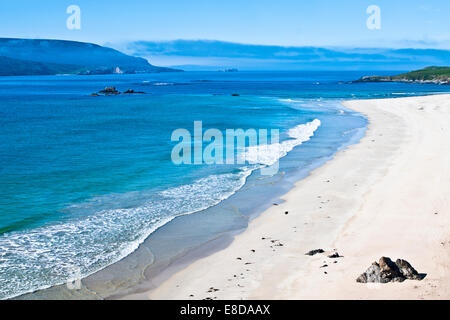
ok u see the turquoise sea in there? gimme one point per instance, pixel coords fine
(85, 180)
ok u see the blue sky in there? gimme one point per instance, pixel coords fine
(404, 23)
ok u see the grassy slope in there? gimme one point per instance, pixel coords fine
(430, 73)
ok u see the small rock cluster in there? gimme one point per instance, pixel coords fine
(386, 271)
(113, 91)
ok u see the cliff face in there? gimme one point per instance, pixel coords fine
(33, 56)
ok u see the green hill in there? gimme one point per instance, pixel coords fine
(430, 73)
(436, 75)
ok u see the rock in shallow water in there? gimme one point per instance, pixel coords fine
(110, 90)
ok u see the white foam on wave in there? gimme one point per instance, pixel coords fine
(155, 83)
(303, 103)
(46, 256)
(289, 100)
(163, 84)
(269, 154)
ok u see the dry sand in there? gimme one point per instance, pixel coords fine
(388, 195)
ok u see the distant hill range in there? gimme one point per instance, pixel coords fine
(436, 75)
(218, 55)
(50, 57)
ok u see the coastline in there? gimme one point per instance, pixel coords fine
(385, 196)
(172, 247)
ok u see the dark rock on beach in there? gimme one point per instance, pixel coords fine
(386, 271)
(335, 255)
(314, 252)
(372, 274)
(407, 270)
(389, 271)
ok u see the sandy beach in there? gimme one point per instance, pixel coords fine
(388, 195)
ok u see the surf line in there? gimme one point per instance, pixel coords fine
(218, 151)
(257, 151)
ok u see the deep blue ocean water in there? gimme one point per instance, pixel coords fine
(84, 180)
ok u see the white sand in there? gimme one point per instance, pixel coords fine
(376, 198)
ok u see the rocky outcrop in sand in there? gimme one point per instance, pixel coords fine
(386, 271)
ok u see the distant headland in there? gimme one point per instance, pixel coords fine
(51, 57)
(434, 75)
